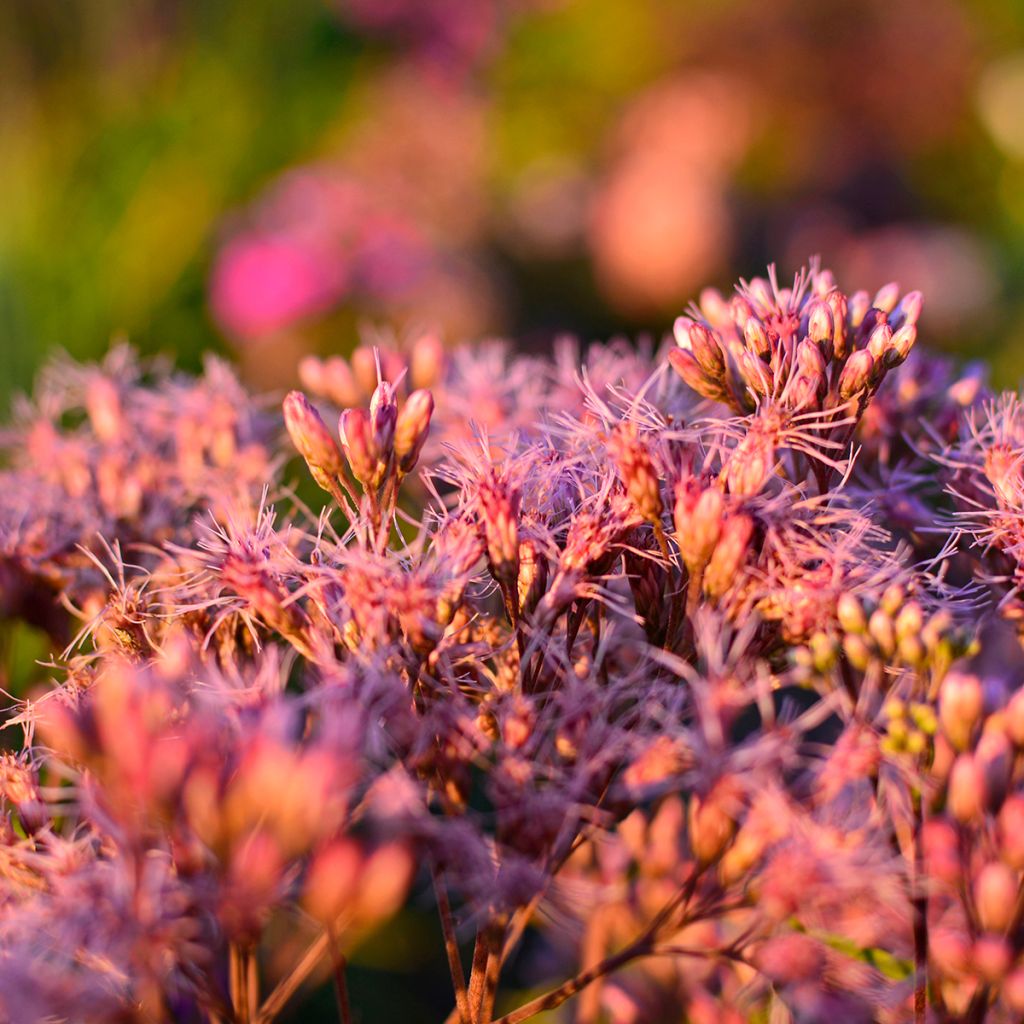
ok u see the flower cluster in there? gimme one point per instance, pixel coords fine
(698, 668)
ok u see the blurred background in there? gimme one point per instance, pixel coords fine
(268, 178)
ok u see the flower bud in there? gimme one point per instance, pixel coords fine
(333, 880)
(103, 406)
(533, 575)
(950, 950)
(635, 466)
(330, 378)
(966, 792)
(908, 310)
(755, 334)
(880, 626)
(383, 418)
(698, 525)
(312, 439)
(357, 440)
(684, 363)
(879, 342)
(840, 335)
(857, 651)
(699, 339)
(426, 361)
(994, 755)
(850, 613)
(809, 359)
(901, 344)
(941, 851)
(995, 893)
(712, 821)
(714, 307)
(909, 621)
(856, 375)
(885, 298)
(729, 555)
(385, 881)
(1014, 719)
(859, 303)
(1013, 992)
(820, 328)
(1011, 831)
(499, 512)
(960, 706)
(991, 957)
(411, 429)
(756, 373)
(364, 369)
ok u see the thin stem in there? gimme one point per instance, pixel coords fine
(492, 972)
(238, 981)
(643, 945)
(287, 987)
(920, 911)
(451, 946)
(476, 975)
(339, 965)
(557, 996)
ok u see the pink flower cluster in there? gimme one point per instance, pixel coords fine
(699, 669)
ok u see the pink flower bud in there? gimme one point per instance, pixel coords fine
(908, 310)
(103, 405)
(729, 555)
(879, 342)
(1015, 719)
(757, 339)
(941, 851)
(386, 879)
(857, 374)
(383, 418)
(788, 959)
(809, 359)
(994, 755)
(859, 304)
(950, 950)
(698, 525)
(850, 613)
(840, 335)
(886, 296)
(357, 440)
(901, 344)
(714, 307)
(499, 512)
(991, 957)
(533, 575)
(712, 821)
(820, 327)
(756, 373)
(684, 363)
(1013, 991)
(966, 794)
(364, 369)
(752, 461)
(426, 361)
(332, 378)
(411, 429)
(635, 466)
(1011, 831)
(706, 350)
(311, 438)
(960, 706)
(333, 880)
(995, 894)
